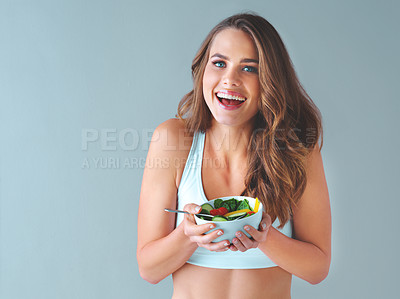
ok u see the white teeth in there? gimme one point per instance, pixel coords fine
(230, 97)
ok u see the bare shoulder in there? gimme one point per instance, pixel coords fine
(169, 148)
(316, 188)
(173, 124)
(172, 137)
(315, 155)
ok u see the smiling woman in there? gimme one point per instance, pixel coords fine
(247, 110)
(230, 78)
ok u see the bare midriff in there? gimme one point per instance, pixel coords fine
(192, 282)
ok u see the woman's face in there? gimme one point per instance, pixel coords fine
(231, 86)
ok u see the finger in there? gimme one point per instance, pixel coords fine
(233, 247)
(238, 245)
(222, 250)
(265, 222)
(192, 229)
(258, 236)
(247, 243)
(217, 246)
(255, 234)
(192, 208)
(207, 238)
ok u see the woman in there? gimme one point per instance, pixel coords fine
(246, 128)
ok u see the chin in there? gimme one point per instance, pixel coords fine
(228, 121)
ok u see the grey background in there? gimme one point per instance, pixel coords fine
(112, 67)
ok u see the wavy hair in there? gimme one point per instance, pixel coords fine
(287, 126)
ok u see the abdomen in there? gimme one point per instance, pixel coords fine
(192, 282)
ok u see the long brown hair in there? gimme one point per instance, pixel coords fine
(287, 126)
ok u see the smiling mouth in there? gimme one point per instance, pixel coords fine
(230, 100)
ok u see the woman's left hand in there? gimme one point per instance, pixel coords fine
(243, 243)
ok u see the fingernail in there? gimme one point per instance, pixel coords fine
(211, 226)
(219, 233)
(247, 228)
(239, 234)
(226, 244)
(198, 209)
(264, 226)
(235, 241)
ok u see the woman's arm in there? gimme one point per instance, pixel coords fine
(308, 255)
(161, 248)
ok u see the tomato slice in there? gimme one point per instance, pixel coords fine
(223, 210)
(214, 212)
(219, 212)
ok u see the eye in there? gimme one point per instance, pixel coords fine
(219, 64)
(250, 69)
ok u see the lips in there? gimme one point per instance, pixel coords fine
(230, 99)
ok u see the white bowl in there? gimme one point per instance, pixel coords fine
(231, 227)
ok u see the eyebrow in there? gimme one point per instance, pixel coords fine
(246, 60)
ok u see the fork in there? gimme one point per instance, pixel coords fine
(184, 212)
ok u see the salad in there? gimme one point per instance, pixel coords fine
(228, 210)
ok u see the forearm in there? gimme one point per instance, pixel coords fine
(305, 260)
(162, 257)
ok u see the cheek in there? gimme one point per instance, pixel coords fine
(209, 79)
(256, 89)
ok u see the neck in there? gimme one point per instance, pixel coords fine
(229, 141)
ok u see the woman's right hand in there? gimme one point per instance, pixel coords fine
(196, 233)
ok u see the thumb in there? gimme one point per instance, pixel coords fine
(266, 222)
(192, 208)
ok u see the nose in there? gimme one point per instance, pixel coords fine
(231, 77)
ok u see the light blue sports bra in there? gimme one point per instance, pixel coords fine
(191, 191)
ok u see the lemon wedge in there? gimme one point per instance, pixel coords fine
(257, 204)
(236, 212)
